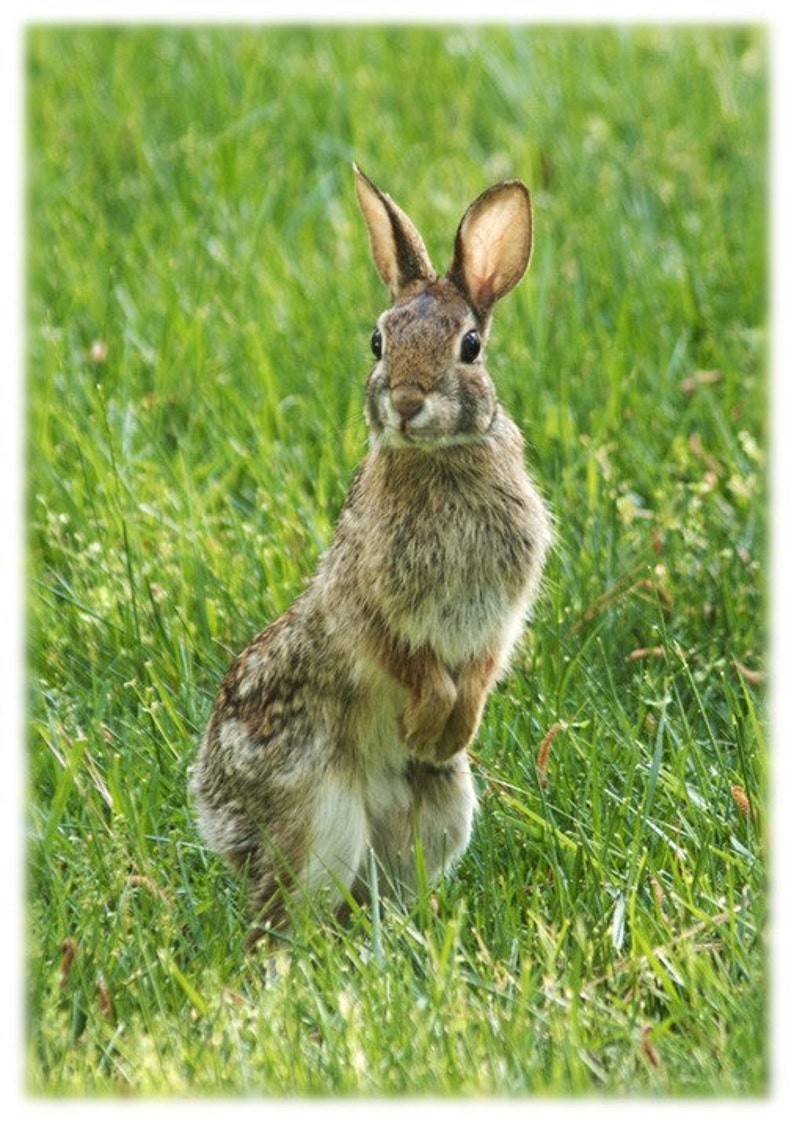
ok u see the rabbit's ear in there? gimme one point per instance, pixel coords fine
(493, 245)
(397, 248)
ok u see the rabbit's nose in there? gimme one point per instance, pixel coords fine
(407, 399)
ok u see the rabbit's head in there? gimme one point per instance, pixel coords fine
(429, 387)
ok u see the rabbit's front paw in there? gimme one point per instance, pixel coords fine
(423, 721)
(453, 739)
(421, 736)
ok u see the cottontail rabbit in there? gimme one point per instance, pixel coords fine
(344, 724)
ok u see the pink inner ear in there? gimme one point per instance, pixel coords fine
(497, 236)
(481, 291)
(484, 262)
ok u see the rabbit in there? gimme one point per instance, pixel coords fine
(342, 728)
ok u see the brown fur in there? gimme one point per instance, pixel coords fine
(343, 726)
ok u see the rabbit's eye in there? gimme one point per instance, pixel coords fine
(470, 346)
(376, 343)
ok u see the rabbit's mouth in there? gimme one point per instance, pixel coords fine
(407, 414)
(406, 435)
(433, 421)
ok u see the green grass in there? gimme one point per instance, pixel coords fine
(200, 299)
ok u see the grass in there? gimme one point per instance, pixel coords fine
(200, 299)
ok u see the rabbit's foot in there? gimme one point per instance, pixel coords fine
(423, 721)
(474, 681)
(457, 734)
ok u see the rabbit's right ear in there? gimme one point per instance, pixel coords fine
(397, 248)
(493, 244)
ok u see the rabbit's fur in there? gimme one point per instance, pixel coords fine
(344, 725)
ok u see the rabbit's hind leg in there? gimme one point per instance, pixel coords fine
(338, 838)
(330, 849)
(444, 807)
(432, 804)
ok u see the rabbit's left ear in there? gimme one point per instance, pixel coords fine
(493, 245)
(397, 248)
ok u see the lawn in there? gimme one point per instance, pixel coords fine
(200, 298)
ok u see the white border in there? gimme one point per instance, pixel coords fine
(13, 19)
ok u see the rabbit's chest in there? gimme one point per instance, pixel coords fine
(457, 578)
